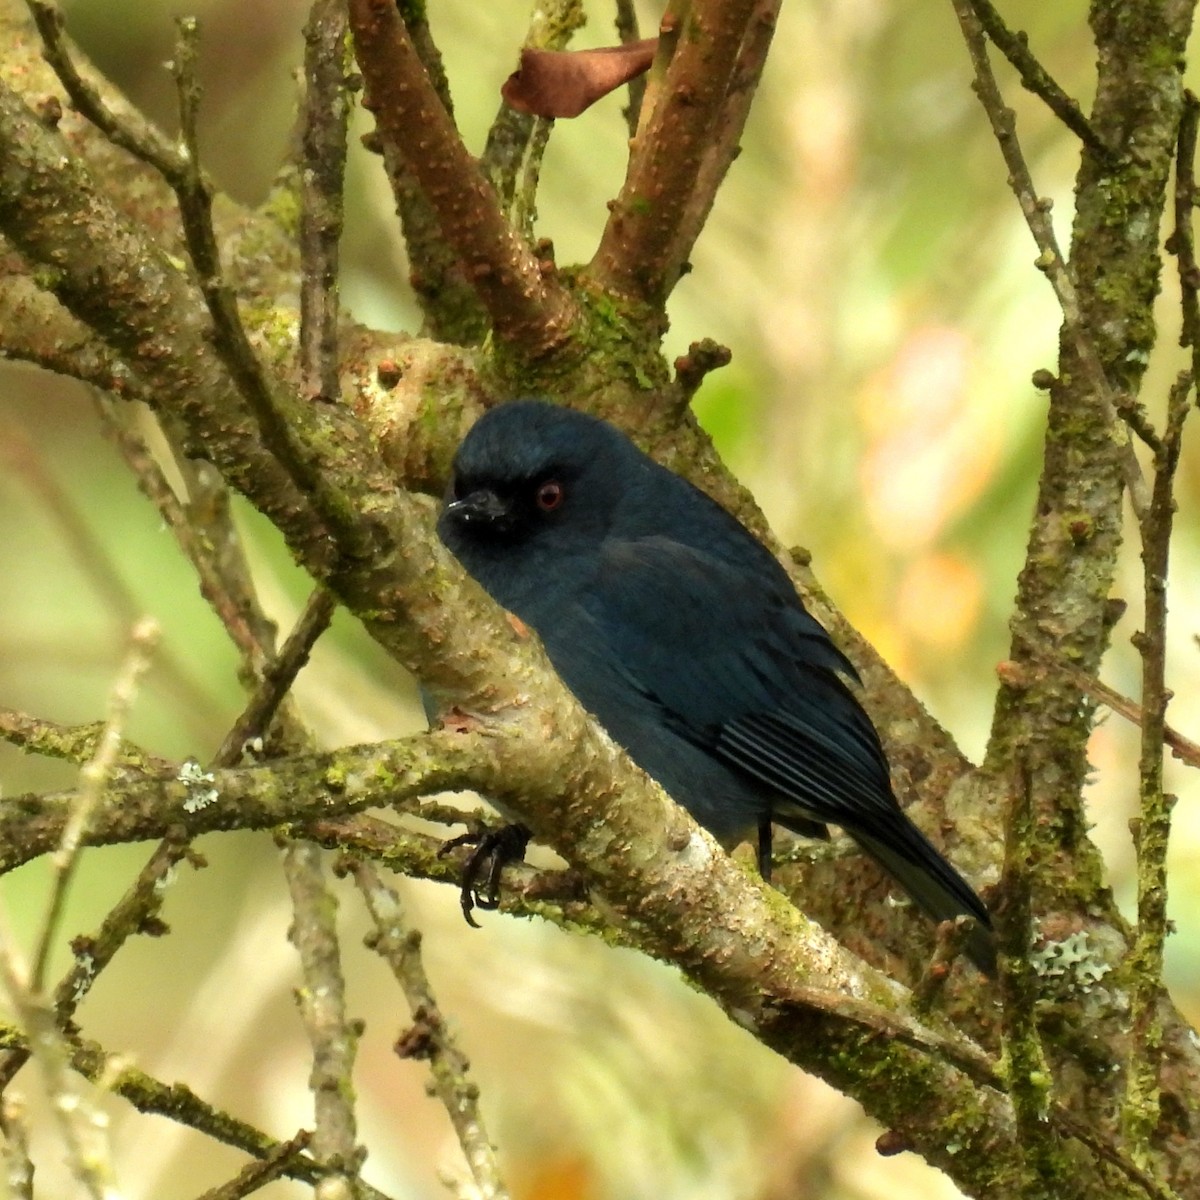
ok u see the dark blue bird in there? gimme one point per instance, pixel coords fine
(684, 637)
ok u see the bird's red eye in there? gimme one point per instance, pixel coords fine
(550, 495)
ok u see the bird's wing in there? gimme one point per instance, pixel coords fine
(737, 665)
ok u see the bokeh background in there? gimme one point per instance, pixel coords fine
(872, 275)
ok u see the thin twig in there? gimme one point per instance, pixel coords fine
(322, 998)
(277, 676)
(1104, 1151)
(511, 135)
(179, 1103)
(628, 31)
(94, 775)
(429, 1038)
(1183, 748)
(23, 457)
(191, 525)
(1036, 79)
(452, 309)
(15, 1162)
(524, 209)
(1183, 240)
(131, 132)
(93, 778)
(1050, 259)
(1140, 1109)
(265, 1170)
(322, 1003)
(81, 1124)
(180, 168)
(72, 743)
(195, 195)
(136, 912)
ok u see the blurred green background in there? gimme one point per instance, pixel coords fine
(872, 275)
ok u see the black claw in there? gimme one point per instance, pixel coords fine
(494, 850)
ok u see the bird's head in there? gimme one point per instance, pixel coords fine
(533, 471)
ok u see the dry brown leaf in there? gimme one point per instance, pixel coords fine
(562, 83)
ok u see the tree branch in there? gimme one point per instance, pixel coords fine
(1035, 78)
(530, 312)
(400, 947)
(641, 250)
(1141, 1109)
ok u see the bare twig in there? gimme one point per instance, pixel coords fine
(322, 177)
(195, 194)
(524, 209)
(628, 31)
(511, 132)
(15, 1162)
(1152, 828)
(1183, 240)
(93, 778)
(41, 1022)
(347, 780)
(322, 1003)
(1182, 747)
(136, 912)
(278, 675)
(724, 143)
(131, 132)
(322, 998)
(258, 1174)
(1036, 79)
(180, 1104)
(201, 528)
(25, 459)
(1104, 1151)
(80, 1121)
(429, 1038)
(72, 743)
(180, 167)
(452, 309)
(119, 281)
(1050, 259)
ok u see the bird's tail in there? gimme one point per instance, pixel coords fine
(935, 886)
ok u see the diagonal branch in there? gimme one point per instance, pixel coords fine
(181, 1104)
(530, 312)
(1050, 259)
(724, 143)
(118, 283)
(641, 251)
(1036, 79)
(400, 946)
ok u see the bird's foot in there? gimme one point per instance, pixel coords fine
(494, 850)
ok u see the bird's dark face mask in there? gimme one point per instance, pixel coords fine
(485, 511)
(481, 510)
